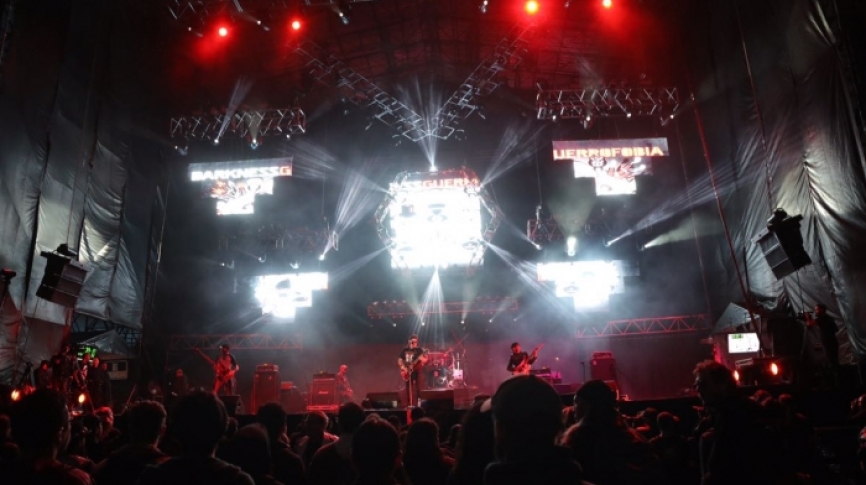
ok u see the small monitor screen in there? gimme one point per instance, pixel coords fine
(743, 343)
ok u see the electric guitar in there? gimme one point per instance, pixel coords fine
(524, 367)
(223, 375)
(407, 368)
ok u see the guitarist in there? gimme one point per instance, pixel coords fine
(225, 367)
(411, 359)
(520, 362)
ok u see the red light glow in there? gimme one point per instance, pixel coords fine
(16, 395)
(774, 369)
(736, 376)
(81, 398)
(607, 3)
(223, 31)
(531, 7)
(296, 25)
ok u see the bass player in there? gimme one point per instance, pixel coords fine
(225, 367)
(411, 359)
(520, 362)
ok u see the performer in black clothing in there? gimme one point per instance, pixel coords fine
(344, 389)
(180, 385)
(42, 376)
(61, 369)
(519, 361)
(827, 330)
(99, 383)
(411, 359)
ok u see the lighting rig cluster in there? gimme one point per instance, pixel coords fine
(252, 124)
(556, 104)
(482, 306)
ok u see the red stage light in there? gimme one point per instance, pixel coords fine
(223, 31)
(607, 3)
(296, 25)
(774, 369)
(532, 7)
(736, 376)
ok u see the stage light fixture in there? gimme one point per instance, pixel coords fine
(434, 169)
(82, 398)
(483, 6)
(216, 141)
(344, 17)
(628, 115)
(571, 246)
(16, 394)
(254, 144)
(607, 3)
(737, 376)
(223, 31)
(322, 257)
(567, 3)
(774, 369)
(531, 7)
(296, 25)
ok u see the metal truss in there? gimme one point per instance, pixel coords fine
(254, 123)
(401, 309)
(204, 9)
(89, 325)
(482, 82)
(362, 92)
(274, 237)
(252, 341)
(645, 326)
(541, 231)
(627, 102)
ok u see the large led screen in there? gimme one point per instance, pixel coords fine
(614, 164)
(588, 283)
(434, 220)
(282, 295)
(235, 185)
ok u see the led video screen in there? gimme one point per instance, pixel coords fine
(434, 220)
(282, 295)
(588, 283)
(614, 164)
(235, 185)
(743, 343)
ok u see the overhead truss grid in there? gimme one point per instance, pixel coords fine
(235, 341)
(645, 326)
(401, 309)
(623, 101)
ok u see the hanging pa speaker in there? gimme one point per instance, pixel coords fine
(782, 245)
(62, 281)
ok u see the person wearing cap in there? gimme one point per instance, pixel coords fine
(609, 451)
(527, 417)
(225, 367)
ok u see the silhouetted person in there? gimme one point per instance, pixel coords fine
(316, 423)
(475, 445)
(146, 421)
(249, 449)
(198, 421)
(610, 452)
(42, 376)
(827, 332)
(287, 465)
(423, 459)
(376, 453)
(527, 417)
(673, 450)
(8, 449)
(332, 464)
(40, 427)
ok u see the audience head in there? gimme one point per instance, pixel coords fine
(417, 413)
(106, 417)
(273, 417)
(595, 404)
(714, 382)
(40, 423)
(422, 441)
(199, 421)
(527, 414)
(762, 395)
(146, 422)
(350, 416)
(453, 434)
(231, 427)
(667, 423)
(395, 421)
(316, 424)
(376, 449)
(250, 449)
(476, 441)
(820, 309)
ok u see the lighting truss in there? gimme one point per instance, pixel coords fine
(606, 102)
(89, 325)
(645, 326)
(274, 237)
(236, 342)
(401, 309)
(362, 92)
(204, 9)
(482, 82)
(541, 231)
(262, 123)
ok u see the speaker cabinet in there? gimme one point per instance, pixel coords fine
(234, 405)
(62, 281)
(266, 388)
(603, 366)
(782, 245)
(323, 395)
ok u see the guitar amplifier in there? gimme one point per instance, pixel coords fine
(323, 393)
(266, 385)
(603, 366)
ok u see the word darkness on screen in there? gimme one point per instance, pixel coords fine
(282, 295)
(235, 185)
(435, 221)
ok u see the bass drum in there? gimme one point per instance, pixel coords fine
(437, 377)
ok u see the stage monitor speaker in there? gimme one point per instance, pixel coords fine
(323, 392)
(266, 388)
(62, 281)
(603, 366)
(384, 400)
(234, 405)
(782, 245)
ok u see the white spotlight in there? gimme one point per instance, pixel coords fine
(322, 257)
(571, 246)
(537, 246)
(434, 169)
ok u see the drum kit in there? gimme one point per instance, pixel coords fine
(444, 369)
